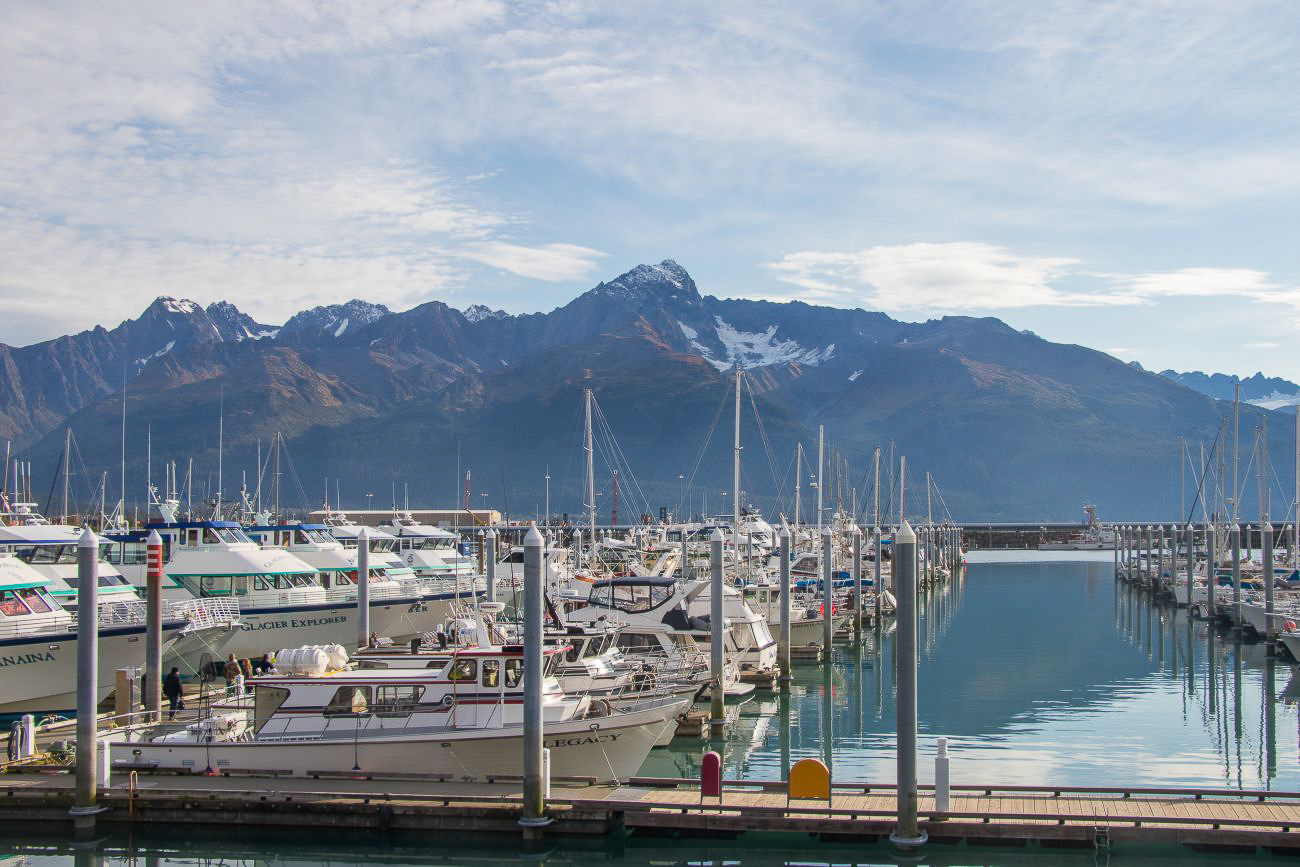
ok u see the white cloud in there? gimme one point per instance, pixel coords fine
(550, 262)
(967, 275)
(923, 276)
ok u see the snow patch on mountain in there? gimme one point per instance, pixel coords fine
(853, 377)
(172, 305)
(691, 334)
(141, 362)
(759, 348)
(343, 326)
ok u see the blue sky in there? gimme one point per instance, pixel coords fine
(1121, 175)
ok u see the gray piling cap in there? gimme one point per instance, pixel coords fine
(87, 539)
(533, 537)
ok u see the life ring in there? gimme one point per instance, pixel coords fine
(1289, 626)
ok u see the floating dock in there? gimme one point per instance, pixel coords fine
(1211, 819)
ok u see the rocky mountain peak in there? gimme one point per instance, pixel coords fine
(335, 319)
(479, 312)
(666, 282)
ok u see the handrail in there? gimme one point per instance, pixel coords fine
(1057, 791)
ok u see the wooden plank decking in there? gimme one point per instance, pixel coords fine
(1013, 814)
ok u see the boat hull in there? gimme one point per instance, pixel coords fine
(609, 749)
(39, 674)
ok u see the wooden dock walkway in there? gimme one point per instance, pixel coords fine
(1010, 815)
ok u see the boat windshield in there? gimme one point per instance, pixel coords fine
(632, 598)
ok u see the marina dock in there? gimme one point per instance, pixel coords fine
(1082, 817)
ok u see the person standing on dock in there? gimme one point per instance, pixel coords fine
(171, 688)
(231, 672)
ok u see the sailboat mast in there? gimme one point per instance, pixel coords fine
(1236, 452)
(67, 455)
(1261, 458)
(122, 465)
(902, 486)
(821, 463)
(221, 450)
(1295, 528)
(591, 471)
(735, 473)
(798, 480)
(277, 475)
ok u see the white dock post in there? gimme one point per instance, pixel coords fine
(534, 806)
(84, 808)
(1266, 553)
(828, 599)
(942, 787)
(490, 563)
(857, 581)
(907, 834)
(717, 716)
(1234, 539)
(784, 549)
(363, 587)
(878, 584)
(1210, 552)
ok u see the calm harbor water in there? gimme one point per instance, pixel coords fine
(1038, 672)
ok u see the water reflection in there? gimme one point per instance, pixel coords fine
(1033, 682)
(341, 849)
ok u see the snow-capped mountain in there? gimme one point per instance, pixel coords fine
(480, 312)
(334, 320)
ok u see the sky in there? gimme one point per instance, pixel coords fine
(1121, 175)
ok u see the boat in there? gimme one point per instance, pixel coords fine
(400, 604)
(454, 720)
(39, 638)
(1094, 536)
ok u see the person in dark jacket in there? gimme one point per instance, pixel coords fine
(171, 687)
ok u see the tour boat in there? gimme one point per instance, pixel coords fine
(400, 607)
(38, 641)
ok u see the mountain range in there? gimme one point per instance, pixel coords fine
(1270, 392)
(371, 403)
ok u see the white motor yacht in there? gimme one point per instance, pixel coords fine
(452, 720)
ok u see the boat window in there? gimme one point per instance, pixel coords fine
(36, 600)
(11, 605)
(349, 701)
(637, 641)
(574, 651)
(436, 664)
(266, 701)
(240, 583)
(491, 673)
(514, 672)
(464, 669)
(193, 537)
(515, 557)
(214, 585)
(397, 700)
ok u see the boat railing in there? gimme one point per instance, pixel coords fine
(120, 612)
(204, 613)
